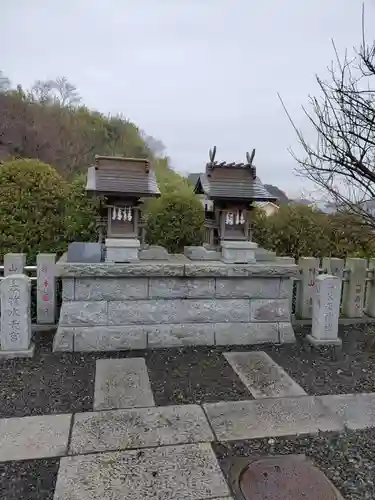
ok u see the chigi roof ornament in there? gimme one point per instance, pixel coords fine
(214, 164)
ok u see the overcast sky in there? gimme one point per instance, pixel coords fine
(193, 73)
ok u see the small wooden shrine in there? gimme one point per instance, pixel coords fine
(122, 183)
(229, 191)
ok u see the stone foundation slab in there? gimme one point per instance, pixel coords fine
(180, 302)
(122, 249)
(19, 353)
(127, 337)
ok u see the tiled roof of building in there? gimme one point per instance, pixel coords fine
(119, 175)
(232, 188)
(232, 181)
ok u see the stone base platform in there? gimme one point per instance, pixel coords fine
(314, 342)
(122, 249)
(124, 337)
(18, 353)
(152, 304)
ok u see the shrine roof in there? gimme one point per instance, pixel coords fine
(232, 181)
(122, 176)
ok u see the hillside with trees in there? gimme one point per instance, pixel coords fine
(49, 123)
(48, 138)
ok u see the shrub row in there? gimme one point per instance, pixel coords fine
(42, 212)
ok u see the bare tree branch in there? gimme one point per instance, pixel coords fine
(342, 117)
(59, 91)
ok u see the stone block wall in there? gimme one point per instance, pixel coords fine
(165, 306)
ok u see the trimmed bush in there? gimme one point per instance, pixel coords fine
(298, 230)
(174, 221)
(33, 197)
(81, 212)
(40, 211)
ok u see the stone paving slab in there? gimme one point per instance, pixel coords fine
(187, 472)
(139, 428)
(356, 410)
(122, 383)
(26, 438)
(270, 417)
(262, 376)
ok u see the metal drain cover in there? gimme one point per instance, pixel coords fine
(285, 478)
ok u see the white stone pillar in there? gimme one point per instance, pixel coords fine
(46, 288)
(370, 293)
(354, 290)
(326, 311)
(287, 285)
(14, 263)
(15, 323)
(309, 268)
(334, 266)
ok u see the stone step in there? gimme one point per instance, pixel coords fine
(262, 376)
(26, 438)
(44, 436)
(356, 410)
(139, 428)
(187, 472)
(122, 383)
(270, 418)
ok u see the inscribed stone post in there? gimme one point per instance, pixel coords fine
(14, 263)
(46, 288)
(288, 284)
(334, 266)
(370, 293)
(15, 332)
(354, 291)
(309, 268)
(326, 310)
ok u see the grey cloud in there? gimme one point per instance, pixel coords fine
(193, 73)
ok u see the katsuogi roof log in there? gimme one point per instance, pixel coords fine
(116, 175)
(232, 181)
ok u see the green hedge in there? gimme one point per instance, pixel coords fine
(33, 197)
(41, 212)
(298, 230)
(174, 221)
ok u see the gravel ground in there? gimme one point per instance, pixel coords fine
(45, 383)
(28, 480)
(50, 382)
(347, 459)
(184, 376)
(202, 375)
(64, 383)
(319, 373)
